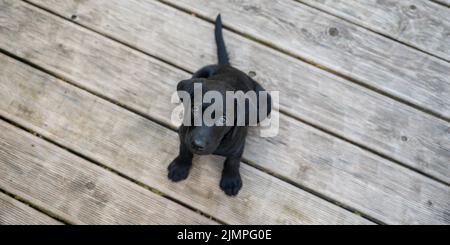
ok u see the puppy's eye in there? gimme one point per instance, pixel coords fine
(221, 121)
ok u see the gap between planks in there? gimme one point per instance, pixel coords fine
(442, 3)
(30, 204)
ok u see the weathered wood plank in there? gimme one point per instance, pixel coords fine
(79, 191)
(337, 105)
(13, 212)
(353, 51)
(142, 150)
(300, 153)
(422, 24)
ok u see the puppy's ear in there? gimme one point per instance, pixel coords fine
(185, 89)
(263, 103)
(186, 86)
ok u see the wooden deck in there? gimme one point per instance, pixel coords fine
(86, 136)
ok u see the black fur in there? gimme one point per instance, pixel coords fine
(227, 141)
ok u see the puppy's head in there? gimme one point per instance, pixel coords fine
(209, 117)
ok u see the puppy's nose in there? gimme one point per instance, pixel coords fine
(198, 144)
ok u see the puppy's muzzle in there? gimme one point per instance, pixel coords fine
(198, 144)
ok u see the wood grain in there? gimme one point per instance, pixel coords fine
(422, 24)
(300, 153)
(320, 98)
(142, 150)
(79, 191)
(13, 212)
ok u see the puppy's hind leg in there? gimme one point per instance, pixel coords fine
(180, 166)
(231, 181)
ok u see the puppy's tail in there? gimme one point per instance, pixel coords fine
(221, 48)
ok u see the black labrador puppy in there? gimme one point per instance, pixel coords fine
(221, 138)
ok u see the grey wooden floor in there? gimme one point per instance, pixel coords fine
(86, 136)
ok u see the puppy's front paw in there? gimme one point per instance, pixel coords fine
(231, 184)
(178, 171)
